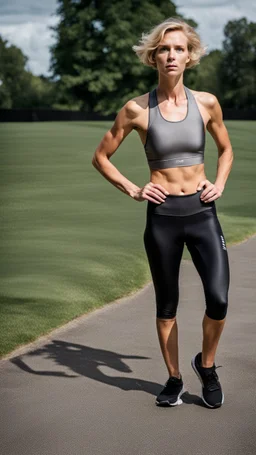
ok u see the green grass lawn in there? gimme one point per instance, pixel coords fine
(70, 241)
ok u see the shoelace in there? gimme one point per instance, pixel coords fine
(212, 379)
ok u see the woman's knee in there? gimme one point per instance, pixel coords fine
(166, 314)
(165, 323)
(216, 307)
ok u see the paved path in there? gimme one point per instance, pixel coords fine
(89, 388)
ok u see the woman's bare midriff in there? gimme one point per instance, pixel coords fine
(179, 181)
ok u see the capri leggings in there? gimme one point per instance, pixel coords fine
(186, 220)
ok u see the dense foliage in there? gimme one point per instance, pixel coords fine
(20, 88)
(238, 73)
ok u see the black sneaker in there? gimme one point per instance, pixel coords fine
(212, 394)
(170, 395)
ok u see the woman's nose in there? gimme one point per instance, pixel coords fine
(171, 55)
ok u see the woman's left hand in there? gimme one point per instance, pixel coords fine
(211, 191)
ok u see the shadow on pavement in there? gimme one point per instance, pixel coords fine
(86, 360)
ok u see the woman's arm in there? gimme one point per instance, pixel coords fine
(219, 133)
(124, 123)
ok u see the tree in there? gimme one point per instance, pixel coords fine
(93, 53)
(20, 88)
(238, 69)
(40, 92)
(206, 76)
(11, 73)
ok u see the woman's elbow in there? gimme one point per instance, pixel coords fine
(98, 162)
(95, 159)
(227, 152)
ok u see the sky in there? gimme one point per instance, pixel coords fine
(25, 23)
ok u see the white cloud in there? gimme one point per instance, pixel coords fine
(34, 38)
(26, 24)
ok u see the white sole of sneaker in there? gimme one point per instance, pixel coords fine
(167, 403)
(199, 377)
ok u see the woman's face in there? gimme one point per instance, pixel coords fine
(172, 53)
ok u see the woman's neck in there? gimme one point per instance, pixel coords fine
(171, 87)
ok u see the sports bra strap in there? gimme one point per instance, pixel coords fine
(152, 114)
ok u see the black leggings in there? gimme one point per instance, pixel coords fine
(171, 224)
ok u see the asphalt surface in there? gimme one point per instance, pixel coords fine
(89, 387)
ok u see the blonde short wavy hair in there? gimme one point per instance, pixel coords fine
(149, 42)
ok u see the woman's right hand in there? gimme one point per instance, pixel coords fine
(153, 192)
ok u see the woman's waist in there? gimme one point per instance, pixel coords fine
(177, 205)
(179, 181)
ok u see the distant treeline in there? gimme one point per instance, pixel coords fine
(94, 68)
(49, 115)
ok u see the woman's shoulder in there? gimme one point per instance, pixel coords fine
(135, 106)
(208, 100)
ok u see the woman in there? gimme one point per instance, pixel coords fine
(171, 121)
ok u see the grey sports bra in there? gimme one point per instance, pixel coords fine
(174, 144)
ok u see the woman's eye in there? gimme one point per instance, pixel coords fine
(165, 48)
